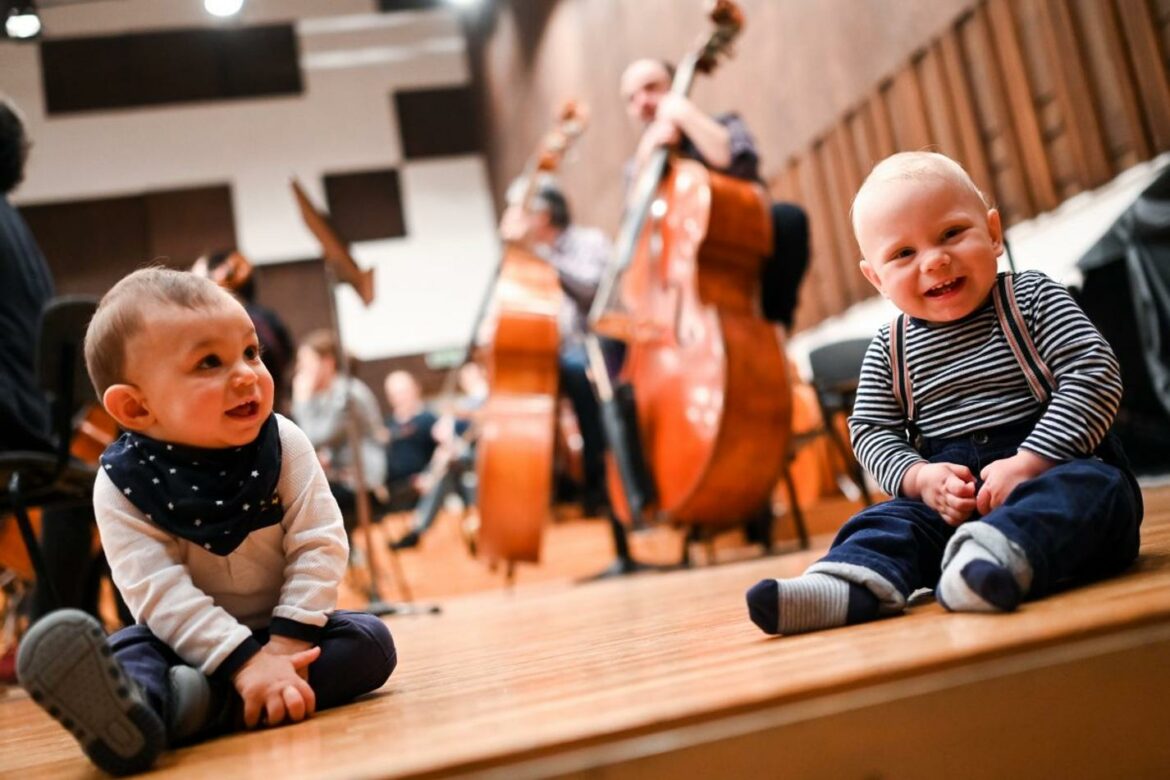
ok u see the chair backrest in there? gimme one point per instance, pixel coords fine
(61, 362)
(838, 365)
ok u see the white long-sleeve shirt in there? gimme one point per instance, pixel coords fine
(205, 606)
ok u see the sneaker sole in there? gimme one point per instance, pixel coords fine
(69, 670)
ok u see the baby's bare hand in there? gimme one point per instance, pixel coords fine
(284, 645)
(1002, 476)
(948, 489)
(270, 684)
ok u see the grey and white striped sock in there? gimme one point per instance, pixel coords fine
(809, 603)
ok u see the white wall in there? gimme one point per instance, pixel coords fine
(352, 60)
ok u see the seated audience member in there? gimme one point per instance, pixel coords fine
(412, 441)
(452, 466)
(323, 405)
(221, 534)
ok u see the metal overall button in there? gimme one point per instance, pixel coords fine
(980, 437)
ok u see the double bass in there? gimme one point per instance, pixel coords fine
(711, 400)
(517, 424)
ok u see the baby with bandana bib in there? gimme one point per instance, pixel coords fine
(222, 537)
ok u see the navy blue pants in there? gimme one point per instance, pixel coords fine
(573, 364)
(1079, 520)
(357, 656)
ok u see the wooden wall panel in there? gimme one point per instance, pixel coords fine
(1111, 83)
(424, 120)
(974, 155)
(1161, 10)
(183, 224)
(903, 99)
(91, 244)
(1009, 189)
(169, 66)
(1063, 48)
(297, 291)
(366, 205)
(1021, 107)
(843, 180)
(940, 115)
(819, 288)
(1149, 68)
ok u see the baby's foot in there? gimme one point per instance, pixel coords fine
(809, 603)
(67, 667)
(974, 580)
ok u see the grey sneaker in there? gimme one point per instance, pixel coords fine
(190, 709)
(68, 669)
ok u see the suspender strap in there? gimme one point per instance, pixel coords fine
(1019, 340)
(1015, 330)
(903, 393)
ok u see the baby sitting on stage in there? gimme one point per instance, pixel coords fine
(221, 535)
(984, 409)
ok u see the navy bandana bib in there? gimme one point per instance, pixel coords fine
(211, 497)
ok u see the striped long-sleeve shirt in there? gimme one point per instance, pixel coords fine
(965, 378)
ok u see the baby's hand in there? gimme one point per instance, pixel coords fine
(286, 645)
(947, 488)
(270, 683)
(1000, 477)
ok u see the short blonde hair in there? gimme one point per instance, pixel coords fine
(120, 316)
(916, 166)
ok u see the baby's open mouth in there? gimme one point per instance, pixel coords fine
(946, 287)
(246, 409)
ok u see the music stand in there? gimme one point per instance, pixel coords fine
(340, 267)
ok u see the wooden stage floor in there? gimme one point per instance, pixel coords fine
(663, 675)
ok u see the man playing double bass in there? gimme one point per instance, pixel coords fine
(579, 255)
(723, 143)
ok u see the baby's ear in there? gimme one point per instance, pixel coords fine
(871, 275)
(995, 229)
(127, 405)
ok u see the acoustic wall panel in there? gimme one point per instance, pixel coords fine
(366, 205)
(169, 66)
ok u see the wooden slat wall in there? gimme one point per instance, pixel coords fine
(1039, 99)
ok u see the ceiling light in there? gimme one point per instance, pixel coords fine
(223, 7)
(23, 21)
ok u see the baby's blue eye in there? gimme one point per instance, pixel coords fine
(252, 352)
(211, 361)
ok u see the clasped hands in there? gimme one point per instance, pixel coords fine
(274, 682)
(949, 488)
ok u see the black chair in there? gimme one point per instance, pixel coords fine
(52, 479)
(836, 370)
